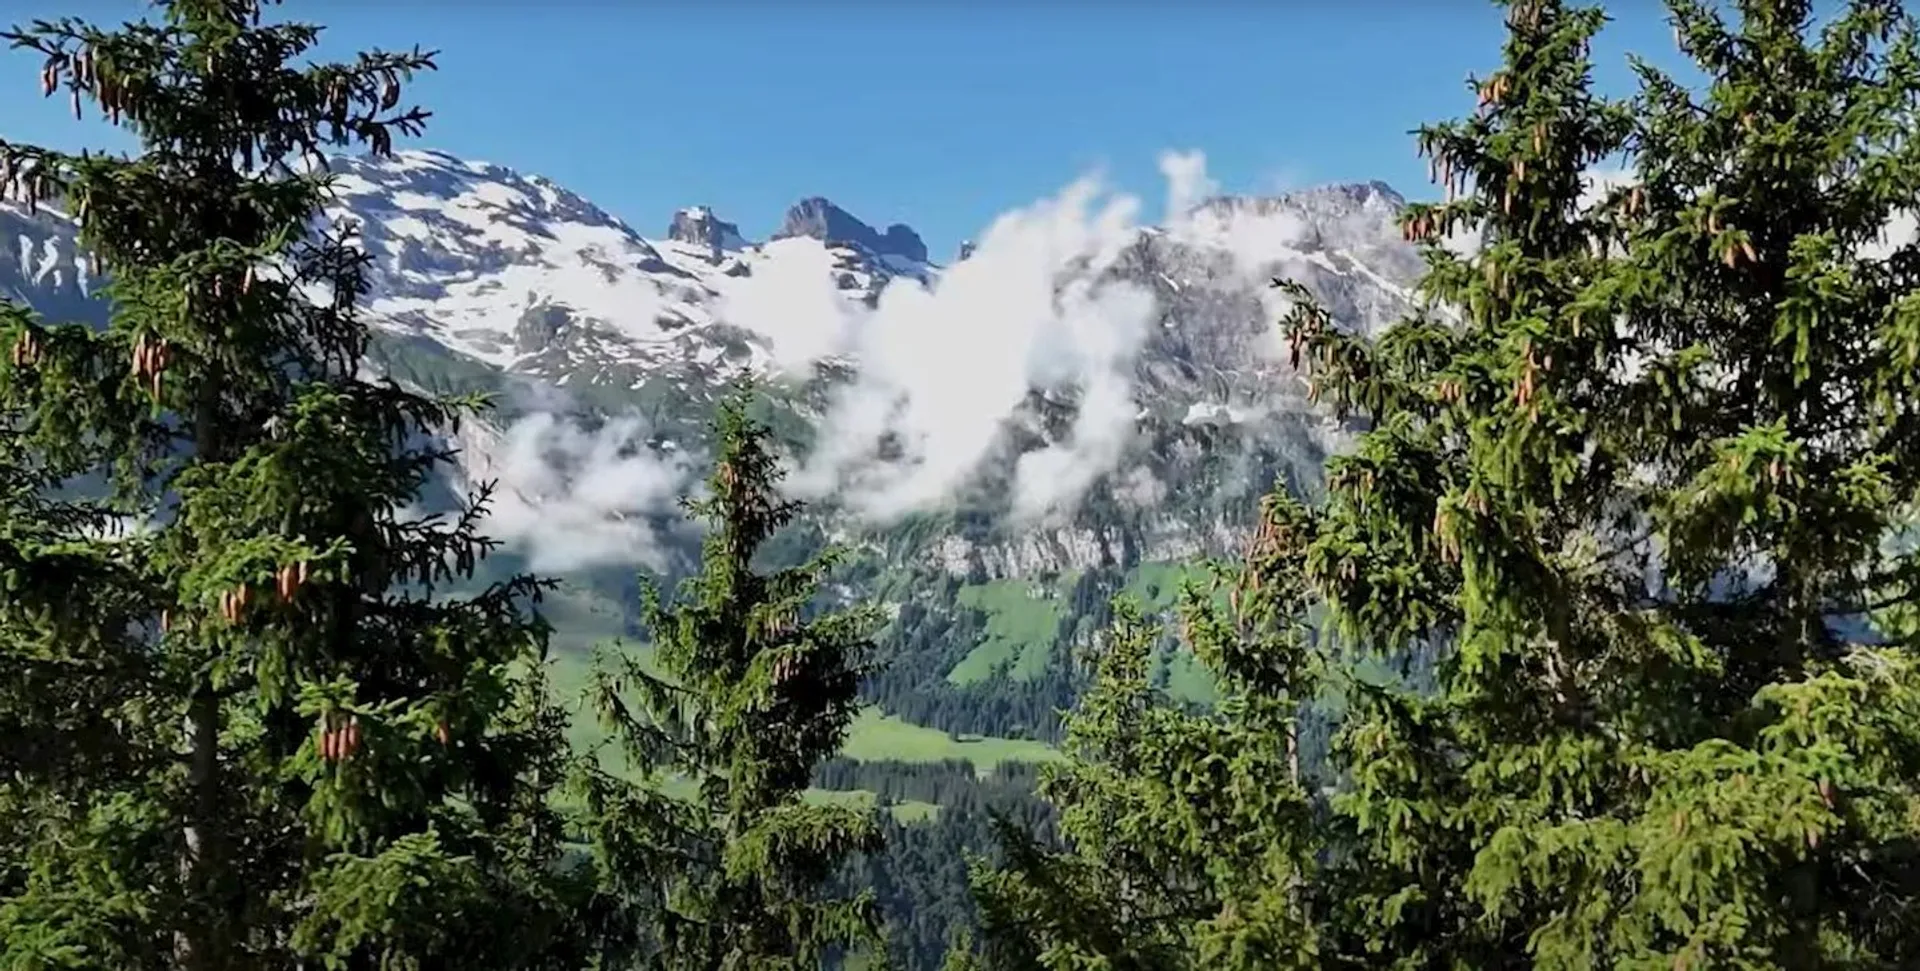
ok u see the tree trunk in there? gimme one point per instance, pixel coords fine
(197, 946)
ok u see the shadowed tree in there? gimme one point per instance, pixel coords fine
(1646, 470)
(752, 685)
(242, 722)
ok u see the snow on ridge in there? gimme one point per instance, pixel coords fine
(470, 254)
(463, 250)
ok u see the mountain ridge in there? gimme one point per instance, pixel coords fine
(508, 279)
(1076, 408)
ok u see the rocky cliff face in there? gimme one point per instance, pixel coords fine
(698, 226)
(817, 218)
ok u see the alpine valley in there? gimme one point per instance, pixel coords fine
(1114, 458)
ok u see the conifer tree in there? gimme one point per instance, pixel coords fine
(1638, 483)
(1190, 834)
(242, 722)
(752, 685)
(1645, 472)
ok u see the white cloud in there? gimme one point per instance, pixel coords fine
(791, 300)
(1187, 183)
(1107, 325)
(1140, 488)
(1255, 237)
(571, 498)
(942, 367)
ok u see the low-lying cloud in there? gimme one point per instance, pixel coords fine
(941, 367)
(571, 497)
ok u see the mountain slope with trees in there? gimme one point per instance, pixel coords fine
(241, 728)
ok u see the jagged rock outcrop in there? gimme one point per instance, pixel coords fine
(820, 219)
(698, 226)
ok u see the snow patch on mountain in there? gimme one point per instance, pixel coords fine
(464, 250)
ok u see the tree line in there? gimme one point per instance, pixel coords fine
(1638, 483)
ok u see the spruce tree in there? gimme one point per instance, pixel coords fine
(1643, 482)
(751, 685)
(1189, 833)
(245, 725)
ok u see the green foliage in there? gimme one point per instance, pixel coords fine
(756, 687)
(1702, 379)
(1189, 832)
(1637, 471)
(229, 742)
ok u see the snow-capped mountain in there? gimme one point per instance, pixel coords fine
(518, 273)
(487, 274)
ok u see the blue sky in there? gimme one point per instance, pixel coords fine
(938, 113)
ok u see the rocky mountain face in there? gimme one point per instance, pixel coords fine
(487, 278)
(817, 218)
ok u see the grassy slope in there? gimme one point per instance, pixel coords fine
(1023, 623)
(1157, 587)
(1023, 619)
(876, 736)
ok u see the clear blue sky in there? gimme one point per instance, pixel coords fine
(938, 113)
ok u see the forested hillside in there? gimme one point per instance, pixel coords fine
(408, 564)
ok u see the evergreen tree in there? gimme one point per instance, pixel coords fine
(245, 723)
(1645, 471)
(753, 686)
(1191, 841)
(1639, 487)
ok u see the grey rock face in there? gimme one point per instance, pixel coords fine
(698, 226)
(820, 219)
(901, 240)
(540, 326)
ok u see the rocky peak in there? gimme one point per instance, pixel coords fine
(820, 219)
(698, 226)
(1352, 215)
(1361, 195)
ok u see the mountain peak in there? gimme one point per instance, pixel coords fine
(697, 225)
(817, 217)
(1340, 198)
